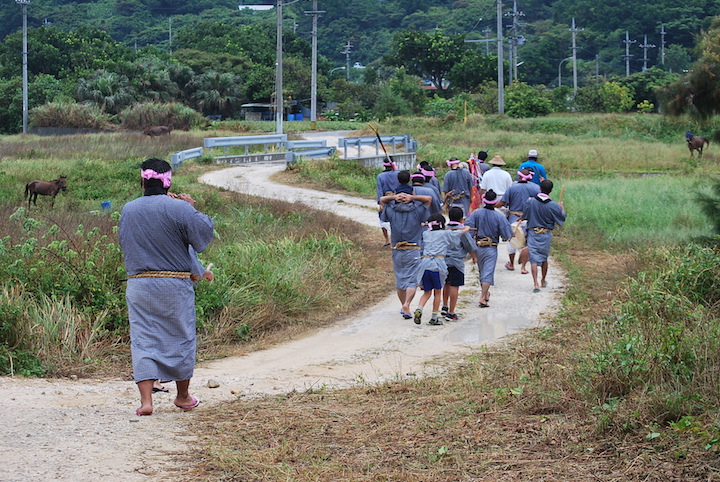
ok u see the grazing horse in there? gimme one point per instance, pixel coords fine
(154, 131)
(46, 188)
(696, 143)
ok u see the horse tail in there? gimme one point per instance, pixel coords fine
(27, 190)
(707, 142)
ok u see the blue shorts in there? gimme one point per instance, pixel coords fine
(431, 281)
(455, 277)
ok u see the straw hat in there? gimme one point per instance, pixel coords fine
(497, 161)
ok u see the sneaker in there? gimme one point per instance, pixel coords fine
(418, 316)
(444, 310)
(451, 317)
(435, 321)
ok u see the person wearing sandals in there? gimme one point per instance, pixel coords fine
(386, 183)
(455, 260)
(489, 226)
(406, 212)
(542, 214)
(433, 270)
(156, 233)
(515, 198)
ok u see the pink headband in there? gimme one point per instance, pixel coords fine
(392, 164)
(433, 223)
(452, 162)
(165, 177)
(417, 176)
(427, 173)
(485, 201)
(524, 177)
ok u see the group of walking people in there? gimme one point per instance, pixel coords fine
(484, 206)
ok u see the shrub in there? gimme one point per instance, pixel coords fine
(523, 100)
(69, 115)
(179, 116)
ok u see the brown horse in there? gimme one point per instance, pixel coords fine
(154, 131)
(46, 188)
(696, 143)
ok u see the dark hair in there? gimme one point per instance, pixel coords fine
(404, 177)
(546, 186)
(490, 195)
(159, 166)
(482, 155)
(438, 218)
(418, 177)
(455, 213)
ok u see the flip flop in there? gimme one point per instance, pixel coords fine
(483, 305)
(142, 414)
(536, 290)
(163, 389)
(407, 316)
(187, 408)
(507, 267)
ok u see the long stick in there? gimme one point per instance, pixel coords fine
(377, 134)
(562, 193)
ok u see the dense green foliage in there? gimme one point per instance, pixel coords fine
(214, 57)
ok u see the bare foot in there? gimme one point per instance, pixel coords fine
(523, 271)
(543, 284)
(144, 410)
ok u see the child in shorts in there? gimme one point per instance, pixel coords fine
(455, 261)
(433, 270)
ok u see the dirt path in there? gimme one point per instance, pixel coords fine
(86, 429)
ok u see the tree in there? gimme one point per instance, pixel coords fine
(429, 56)
(604, 97)
(110, 91)
(523, 100)
(217, 93)
(698, 92)
(472, 70)
(644, 85)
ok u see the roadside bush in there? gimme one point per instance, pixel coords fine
(69, 115)
(179, 116)
(605, 97)
(657, 353)
(523, 100)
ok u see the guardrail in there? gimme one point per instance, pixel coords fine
(306, 144)
(179, 157)
(392, 141)
(247, 141)
(310, 153)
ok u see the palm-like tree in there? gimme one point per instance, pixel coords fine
(110, 91)
(217, 93)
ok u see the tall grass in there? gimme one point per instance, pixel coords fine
(655, 358)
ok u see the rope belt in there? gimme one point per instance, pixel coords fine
(541, 230)
(485, 242)
(516, 213)
(405, 245)
(438, 256)
(163, 274)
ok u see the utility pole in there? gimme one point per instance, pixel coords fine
(662, 44)
(515, 14)
(313, 88)
(487, 31)
(279, 104)
(24, 4)
(500, 47)
(170, 35)
(574, 48)
(645, 46)
(346, 51)
(627, 55)
(597, 68)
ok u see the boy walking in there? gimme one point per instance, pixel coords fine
(455, 260)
